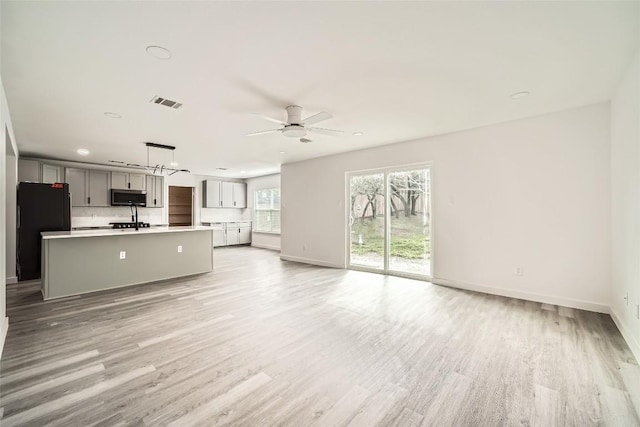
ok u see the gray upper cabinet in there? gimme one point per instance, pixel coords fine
(98, 188)
(239, 195)
(227, 194)
(36, 171)
(128, 181)
(155, 191)
(224, 194)
(77, 180)
(212, 194)
(28, 170)
(88, 187)
(51, 174)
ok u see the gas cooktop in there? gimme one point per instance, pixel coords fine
(129, 225)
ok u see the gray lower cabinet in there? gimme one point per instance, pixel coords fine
(238, 233)
(233, 236)
(155, 191)
(219, 237)
(244, 235)
(88, 187)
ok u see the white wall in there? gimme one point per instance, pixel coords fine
(263, 240)
(625, 204)
(6, 129)
(11, 180)
(532, 193)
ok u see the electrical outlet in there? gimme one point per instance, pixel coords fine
(179, 248)
(519, 271)
(123, 255)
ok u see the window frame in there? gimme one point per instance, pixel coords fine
(273, 208)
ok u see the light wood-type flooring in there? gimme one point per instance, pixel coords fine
(264, 342)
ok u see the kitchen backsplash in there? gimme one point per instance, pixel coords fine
(97, 217)
(222, 214)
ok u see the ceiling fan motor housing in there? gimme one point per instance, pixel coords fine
(294, 114)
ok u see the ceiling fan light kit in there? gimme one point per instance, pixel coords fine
(296, 127)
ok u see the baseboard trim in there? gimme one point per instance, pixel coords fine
(529, 296)
(261, 246)
(633, 344)
(310, 261)
(11, 280)
(3, 333)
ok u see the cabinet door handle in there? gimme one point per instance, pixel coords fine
(88, 200)
(128, 185)
(234, 203)
(220, 202)
(154, 202)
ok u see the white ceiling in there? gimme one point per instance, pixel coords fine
(394, 70)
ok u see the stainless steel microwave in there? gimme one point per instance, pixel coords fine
(128, 197)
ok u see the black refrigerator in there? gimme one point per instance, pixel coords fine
(41, 207)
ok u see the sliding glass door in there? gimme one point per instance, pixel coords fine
(366, 219)
(390, 221)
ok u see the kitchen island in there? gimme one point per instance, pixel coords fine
(78, 262)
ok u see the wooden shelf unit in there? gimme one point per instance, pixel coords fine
(180, 206)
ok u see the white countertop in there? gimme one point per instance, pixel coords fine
(118, 232)
(205, 223)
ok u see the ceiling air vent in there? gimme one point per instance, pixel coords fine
(166, 102)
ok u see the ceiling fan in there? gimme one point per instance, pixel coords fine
(296, 127)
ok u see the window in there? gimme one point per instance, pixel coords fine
(266, 208)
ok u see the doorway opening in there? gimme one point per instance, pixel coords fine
(389, 221)
(180, 206)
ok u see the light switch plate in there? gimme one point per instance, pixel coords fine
(179, 248)
(123, 255)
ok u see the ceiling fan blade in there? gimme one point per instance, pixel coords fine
(316, 118)
(280, 122)
(263, 132)
(331, 132)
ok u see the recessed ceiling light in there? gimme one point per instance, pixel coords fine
(358, 134)
(282, 152)
(173, 164)
(159, 52)
(243, 171)
(519, 95)
(83, 151)
(113, 115)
